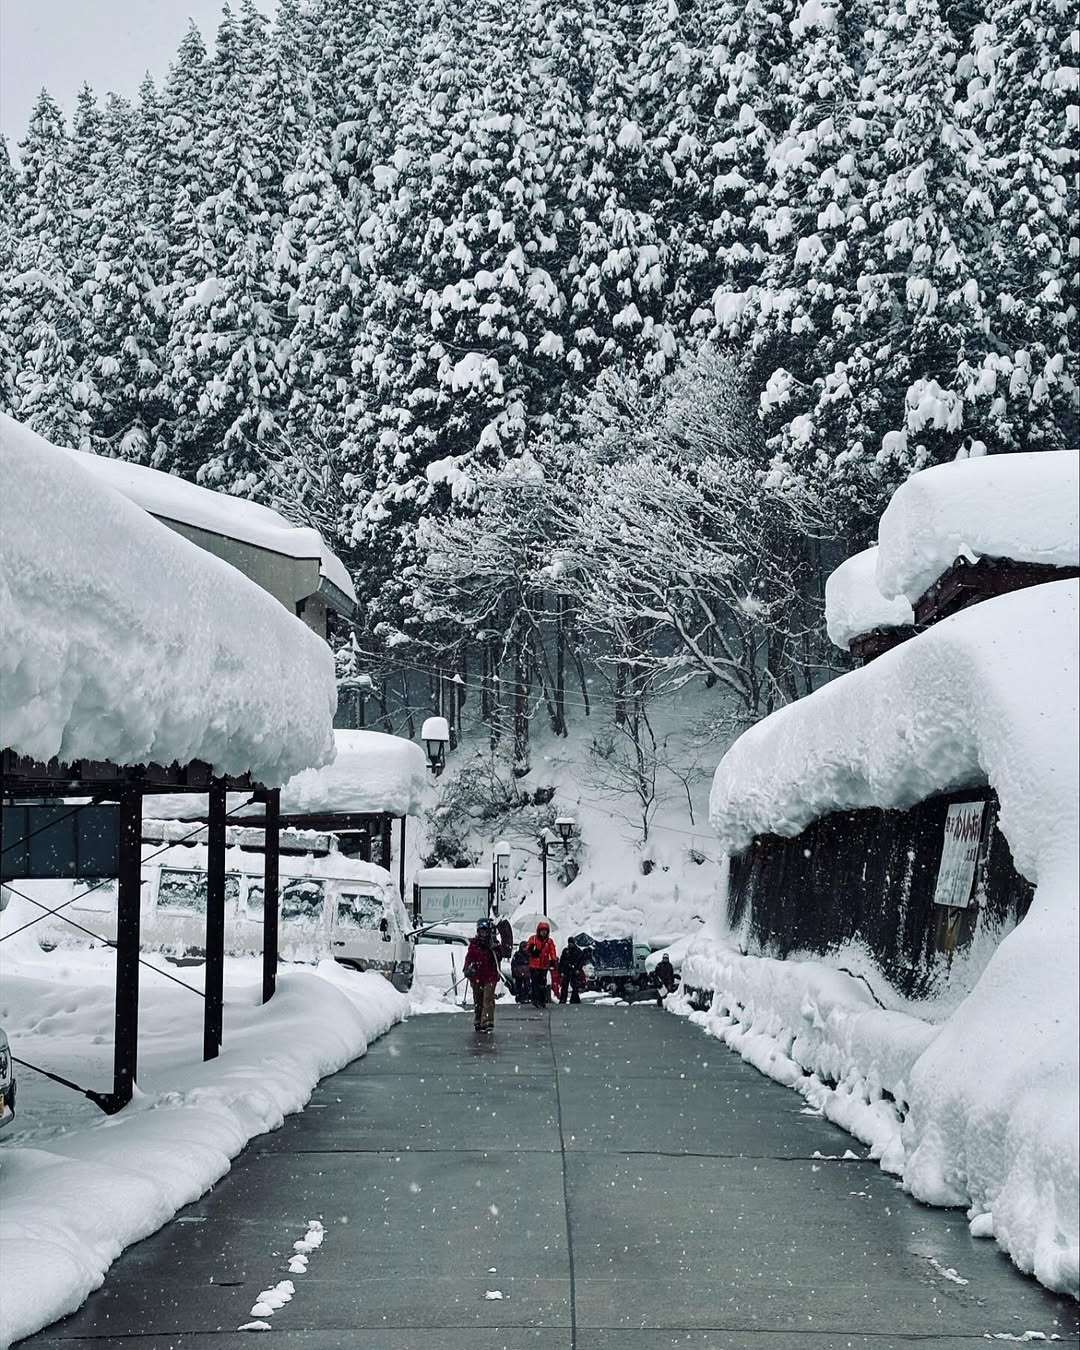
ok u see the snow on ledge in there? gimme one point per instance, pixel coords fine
(373, 772)
(1022, 506)
(122, 641)
(174, 498)
(989, 694)
(854, 605)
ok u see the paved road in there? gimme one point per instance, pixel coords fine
(622, 1180)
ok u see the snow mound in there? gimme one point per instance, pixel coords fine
(988, 695)
(1023, 507)
(75, 1197)
(122, 641)
(173, 498)
(854, 605)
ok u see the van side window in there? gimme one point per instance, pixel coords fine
(358, 910)
(185, 891)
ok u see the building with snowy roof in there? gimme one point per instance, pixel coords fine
(132, 660)
(293, 563)
(951, 536)
(916, 822)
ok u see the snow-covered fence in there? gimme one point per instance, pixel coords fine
(869, 877)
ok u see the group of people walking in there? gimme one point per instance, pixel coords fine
(534, 964)
(536, 969)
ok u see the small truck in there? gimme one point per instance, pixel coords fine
(616, 965)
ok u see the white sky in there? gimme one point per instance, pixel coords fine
(108, 43)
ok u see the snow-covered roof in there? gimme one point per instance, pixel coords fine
(373, 772)
(123, 641)
(452, 876)
(1023, 507)
(854, 605)
(987, 695)
(172, 498)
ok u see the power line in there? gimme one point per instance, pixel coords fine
(105, 881)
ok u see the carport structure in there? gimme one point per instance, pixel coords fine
(374, 781)
(134, 662)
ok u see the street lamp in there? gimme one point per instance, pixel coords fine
(565, 827)
(500, 860)
(435, 733)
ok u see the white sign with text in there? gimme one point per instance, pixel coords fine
(959, 854)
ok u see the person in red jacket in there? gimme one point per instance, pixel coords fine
(542, 957)
(482, 972)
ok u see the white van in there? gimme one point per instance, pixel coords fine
(331, 905)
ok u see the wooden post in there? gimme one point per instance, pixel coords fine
(128, 905)
(386, 831)
(215, 921)
(271, 907)
(401, 857)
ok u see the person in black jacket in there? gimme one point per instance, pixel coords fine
(572, 970)
(666, 978)
(519, 973)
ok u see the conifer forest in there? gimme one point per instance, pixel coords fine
(590, 333)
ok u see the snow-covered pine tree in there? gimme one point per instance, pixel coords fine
(1022, 102)
(125, 314)
(922, 318)
(8, 235)
(40, 309)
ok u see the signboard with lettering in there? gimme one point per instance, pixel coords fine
(453, 904)
(959, 854)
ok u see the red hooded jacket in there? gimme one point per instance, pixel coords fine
(542, 953)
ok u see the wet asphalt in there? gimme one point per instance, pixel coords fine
(621, 1180)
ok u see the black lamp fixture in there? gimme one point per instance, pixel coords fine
(435, 733)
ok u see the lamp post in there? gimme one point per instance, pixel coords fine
(565, 827)
(435, 733)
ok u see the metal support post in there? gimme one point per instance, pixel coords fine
(401, 857)
(271, 907)
(215, 921)
(543, 859)
(128, 904)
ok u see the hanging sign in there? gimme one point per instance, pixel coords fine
(959, 854)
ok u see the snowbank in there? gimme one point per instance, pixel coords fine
(817, 1030)
(1023, 507)
(988, 695)
(124, 642)
(77, 1187)
(854, 605)
(165, 495)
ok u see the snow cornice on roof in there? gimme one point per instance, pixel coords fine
(124, 642)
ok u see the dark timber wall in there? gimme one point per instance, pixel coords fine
(870, 876)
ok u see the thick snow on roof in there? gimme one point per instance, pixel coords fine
(989, 694)
(854, 605)
(373, 772)
(166, 495)
(1023, 507)
(122, 641)
(452, 876)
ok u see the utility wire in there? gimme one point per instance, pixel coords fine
(105, 881)
(105, 942)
